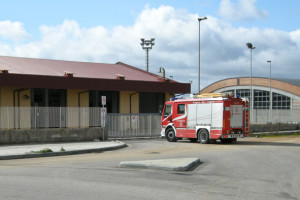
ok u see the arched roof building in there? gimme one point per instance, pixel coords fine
(285, 92)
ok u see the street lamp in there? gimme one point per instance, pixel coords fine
(162, 71)
(251, 47)
(200, 19)
(270, 95)
(147, 45)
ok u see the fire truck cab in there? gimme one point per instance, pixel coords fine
(206, 119)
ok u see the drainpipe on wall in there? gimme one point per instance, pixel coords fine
(79, 93)
(18, 91)
(130, 95)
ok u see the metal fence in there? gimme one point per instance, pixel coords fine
(118, 125)
(49, 117)
(133, 125)
(262, 116)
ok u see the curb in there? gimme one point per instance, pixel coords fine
(63, 153)
(291, 132)
(162, 164)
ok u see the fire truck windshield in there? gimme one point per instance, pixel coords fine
(168, 110)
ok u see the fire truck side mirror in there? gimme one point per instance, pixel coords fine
(160, 108)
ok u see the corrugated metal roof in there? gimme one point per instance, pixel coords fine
(32, 66)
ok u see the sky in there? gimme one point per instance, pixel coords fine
(110, 31)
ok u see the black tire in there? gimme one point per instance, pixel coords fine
(193, 139)
(203, 136)
(170, 135)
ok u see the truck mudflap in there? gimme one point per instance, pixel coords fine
(234, 136)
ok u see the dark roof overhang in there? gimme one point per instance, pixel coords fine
(54, 82)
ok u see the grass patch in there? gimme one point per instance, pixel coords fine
(46, 150)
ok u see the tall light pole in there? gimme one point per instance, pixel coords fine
(199, 19)
(147, 45)
(251, 47)
(270, 95)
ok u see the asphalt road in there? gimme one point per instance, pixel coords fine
(254, 168)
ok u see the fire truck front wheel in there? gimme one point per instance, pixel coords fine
(203, 136)
(170, 135)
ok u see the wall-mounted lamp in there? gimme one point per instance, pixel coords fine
(26, 96)
(162, 71)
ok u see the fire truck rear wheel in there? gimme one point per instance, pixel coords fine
(203, 136)
(170, 135)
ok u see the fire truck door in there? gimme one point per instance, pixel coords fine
(180, 119)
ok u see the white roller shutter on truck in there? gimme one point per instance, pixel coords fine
(236, 116)
(205, 114)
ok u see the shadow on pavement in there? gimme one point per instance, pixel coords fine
(264, 143)
(250, 143)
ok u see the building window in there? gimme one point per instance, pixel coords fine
(49, 111)
(150, 102)
(281, 101)
(39, 97)
(112, 100)
(57, 98)
(261, 99)
(48, 97)
(228, 92)
(243, 93)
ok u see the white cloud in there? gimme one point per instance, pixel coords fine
(13, 30)
(223, 47)
(241, 10)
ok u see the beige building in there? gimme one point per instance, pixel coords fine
(69, 94)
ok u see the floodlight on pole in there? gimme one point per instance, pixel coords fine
(251, 47)
(147, 45)
(199, 19)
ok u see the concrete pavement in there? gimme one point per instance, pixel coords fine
(8, 152)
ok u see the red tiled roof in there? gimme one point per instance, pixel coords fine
(31, 66)
(43, 73)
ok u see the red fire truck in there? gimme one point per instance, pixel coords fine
(206, 119)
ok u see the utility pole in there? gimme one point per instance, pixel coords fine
(199, 19)
(251, 47)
